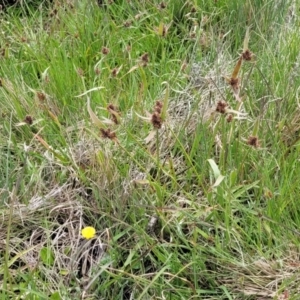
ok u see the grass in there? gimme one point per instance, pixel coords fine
(165, 129)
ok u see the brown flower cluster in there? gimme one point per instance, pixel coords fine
(253, 141)
(162, 5)
(145, 59)
(108, 134)
(41, 96)
(28, 120)
(156, 118)
(105, 50)
(114, 113)
(247, 55)
(221, 107)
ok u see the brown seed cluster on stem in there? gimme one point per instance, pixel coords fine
(234, 82)
(145, 59)
(108, 134)
(247, 55)
(162, 5)
(229, 118)
(253, 141)
(221, 107)
(114, 72)
(28, 120)
(114, 113)
(156, 118)
(41, 96)
(105, 50)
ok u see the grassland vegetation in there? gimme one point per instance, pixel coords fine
(150, 150)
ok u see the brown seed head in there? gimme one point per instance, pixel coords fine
(234, 82)
(54, 12)
(97, 71)
(253, 141)
(108, 134)
(162, 5)
(157, 109)
(156, 120)
(127, 23)
(41, 96)
(145, 58)
(105, 50)
(247, 55)
(158, 104)
(115, 72)
(193, 9)
(111, 107)
(28, 119)
(229, 118)
(192, 35)
(114, 113)
(221, 107)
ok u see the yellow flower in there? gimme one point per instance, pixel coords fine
(88, 232)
